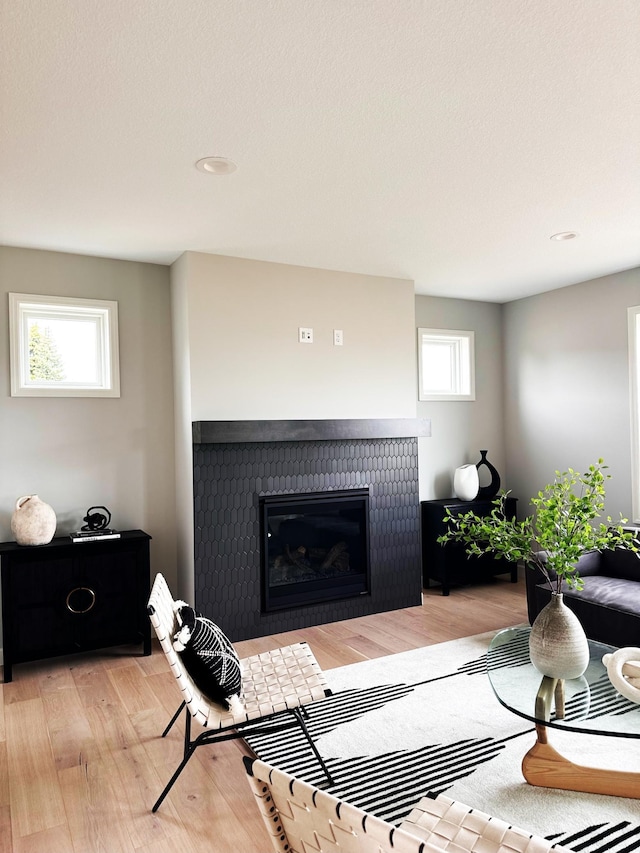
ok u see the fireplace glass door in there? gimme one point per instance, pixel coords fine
(315, 547)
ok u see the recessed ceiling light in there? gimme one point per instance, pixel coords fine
(564, 235)
(216, 166)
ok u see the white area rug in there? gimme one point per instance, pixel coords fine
(427, 721)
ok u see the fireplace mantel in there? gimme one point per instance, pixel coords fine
(233, 432)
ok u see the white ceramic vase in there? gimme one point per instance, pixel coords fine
(558, 645)
(466, 482)
(33, 521)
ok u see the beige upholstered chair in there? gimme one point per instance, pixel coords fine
(300, 818)
(276, 685)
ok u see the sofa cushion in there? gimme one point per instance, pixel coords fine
(588, 563)
(621, 564)
(603, 591)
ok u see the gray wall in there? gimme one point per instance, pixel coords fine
(460, 429)
(80, 452)
(245, 359)
(567, 385)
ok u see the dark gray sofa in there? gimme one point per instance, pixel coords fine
(609, 605)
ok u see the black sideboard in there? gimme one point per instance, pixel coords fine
(68, 597)
(449, 564)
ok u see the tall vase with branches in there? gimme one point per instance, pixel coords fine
(564, 526)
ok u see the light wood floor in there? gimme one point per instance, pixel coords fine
(81, 760)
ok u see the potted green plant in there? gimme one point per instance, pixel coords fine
(562, 527)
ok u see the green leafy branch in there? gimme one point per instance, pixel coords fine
(561, 529)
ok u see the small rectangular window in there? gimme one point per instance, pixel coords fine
(446, 364)
(63, 347)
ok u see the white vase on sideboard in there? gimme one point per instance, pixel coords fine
(466, 482)
(33, 521)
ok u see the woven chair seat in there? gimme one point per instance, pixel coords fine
(283, 678)
(273, 683)
(301, 818)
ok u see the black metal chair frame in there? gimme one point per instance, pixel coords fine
(235, 732)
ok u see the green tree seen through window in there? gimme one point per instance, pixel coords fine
(45, 362)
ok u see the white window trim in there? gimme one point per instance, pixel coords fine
(104, 313)
(633, 315)
(463, 374)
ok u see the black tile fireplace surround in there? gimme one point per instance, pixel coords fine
(236, 463)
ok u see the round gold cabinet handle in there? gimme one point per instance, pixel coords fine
(81, 589)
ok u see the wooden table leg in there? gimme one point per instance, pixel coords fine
(545, 767)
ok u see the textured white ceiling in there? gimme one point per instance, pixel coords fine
(442, 141)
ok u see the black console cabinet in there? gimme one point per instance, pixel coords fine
(68, 597)
(449, 564)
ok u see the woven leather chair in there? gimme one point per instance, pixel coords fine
(300, 818)
(276, 685)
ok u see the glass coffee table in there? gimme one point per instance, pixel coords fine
(590, 705)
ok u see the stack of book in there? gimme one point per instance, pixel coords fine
(94, 535)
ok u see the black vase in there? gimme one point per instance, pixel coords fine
(490, 491)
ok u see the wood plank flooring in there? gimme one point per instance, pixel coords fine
(82, 760)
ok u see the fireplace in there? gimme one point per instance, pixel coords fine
(314, 547)
(242, 469)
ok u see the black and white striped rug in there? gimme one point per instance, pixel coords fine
(427, 721)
